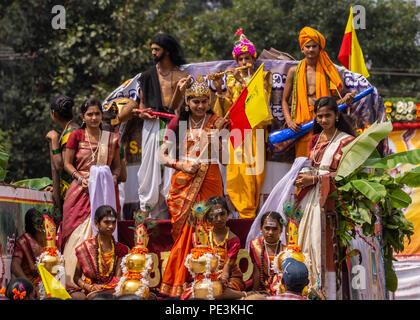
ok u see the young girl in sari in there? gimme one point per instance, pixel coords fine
(227, 246)
(98, 267)
(28, 248)
(86, 148)
(195, 178)
(332, 131)
(263, 250)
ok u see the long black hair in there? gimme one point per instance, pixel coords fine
(33, 218)
(21, 285)
(344, 123)
(172, 46)
(63, 106)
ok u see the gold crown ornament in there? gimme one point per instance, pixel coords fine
(198, 88)
(50, 257)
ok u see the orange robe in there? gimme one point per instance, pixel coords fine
(185, 191)
(327, 81)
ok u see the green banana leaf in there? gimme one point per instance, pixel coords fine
(2, 174)
(4, 159)
(391, 161)
(372, 190)
(36, 183)
(411, 178)
(360, 149)
(398, 198)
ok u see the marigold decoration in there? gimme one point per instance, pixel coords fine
(292, 249)
(136, 266)
(202, 262)
(18, 294)
(50, 256)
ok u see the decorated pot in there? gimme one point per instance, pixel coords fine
(202, 289)
(136, 262)
(51, 263)
(132, 286)
(199, 266)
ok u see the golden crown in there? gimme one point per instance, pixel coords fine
(198, 88)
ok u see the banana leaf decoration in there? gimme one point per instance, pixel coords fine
(359, 150)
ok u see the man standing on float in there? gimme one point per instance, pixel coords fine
(315, 76)
(159, 91)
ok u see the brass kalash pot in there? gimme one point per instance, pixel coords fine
(292, 249)
(138, 265)
(51, 261)
(203, 261)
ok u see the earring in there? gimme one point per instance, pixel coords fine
(187, 108)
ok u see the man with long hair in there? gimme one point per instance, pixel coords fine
(161, 91)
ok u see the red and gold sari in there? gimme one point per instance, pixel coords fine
(28, 250)
(325, 158)
(185, 191)
(269, 281)
(88, 257)
(76, 224)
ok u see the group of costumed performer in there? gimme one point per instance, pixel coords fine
(246, 168)
(307, 186)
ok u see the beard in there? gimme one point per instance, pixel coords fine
(157, 59)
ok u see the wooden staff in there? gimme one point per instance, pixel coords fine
(212, 76)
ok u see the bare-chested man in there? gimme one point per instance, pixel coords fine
(161, 90)
(315, 76)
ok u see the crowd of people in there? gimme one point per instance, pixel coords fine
(184, 169)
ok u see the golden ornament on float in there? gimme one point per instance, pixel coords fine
(133, 286)
(137, 266)
(205, 288)
(51, 261)
(292, 250)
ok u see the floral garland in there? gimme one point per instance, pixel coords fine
(54, 252)
(207, 276)
(402, 110)
(132, 275)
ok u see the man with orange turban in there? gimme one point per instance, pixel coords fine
(315, 76)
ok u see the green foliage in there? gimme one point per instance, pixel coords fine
(367, 192)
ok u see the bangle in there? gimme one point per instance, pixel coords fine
(73, 173)
(173, 164)
(56, 151)
(313, 179)
(80, 179)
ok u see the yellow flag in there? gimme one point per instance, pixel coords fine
(53, 288)
(351, 55)
(256, 108)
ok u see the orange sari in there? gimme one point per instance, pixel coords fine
(185, 191)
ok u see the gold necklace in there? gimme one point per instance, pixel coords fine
(213, 238)
(93, 153)
(100, 260)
